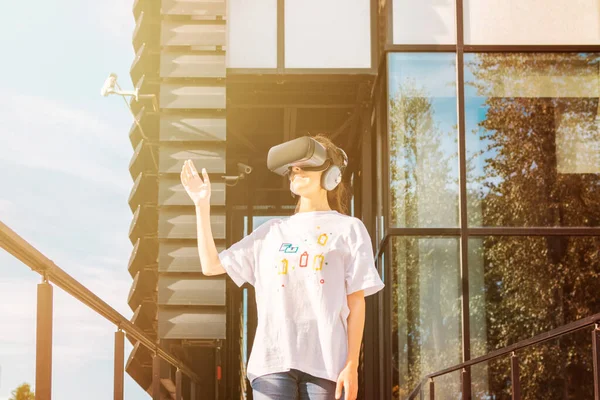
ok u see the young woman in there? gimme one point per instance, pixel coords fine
(311, 272)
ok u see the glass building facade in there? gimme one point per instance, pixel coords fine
(473, 130)
(510, 251)
(487, 142)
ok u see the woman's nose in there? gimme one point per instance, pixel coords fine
(296, 169)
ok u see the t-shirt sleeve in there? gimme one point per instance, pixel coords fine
(361, 273)
(239, 260)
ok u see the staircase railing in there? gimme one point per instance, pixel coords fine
(593, 320)
(50, 272)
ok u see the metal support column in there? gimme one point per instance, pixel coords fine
(596, 359)
(178, 385)
(43, 346)
(516, 381)
(431, 390)
(119, 365)
(155, 377)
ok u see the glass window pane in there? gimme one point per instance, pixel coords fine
(327, 34)
(251, 34)
(533, 139)
(532, 22)
(522, 286)
(424, 22)
(423, 140)
(426, 312)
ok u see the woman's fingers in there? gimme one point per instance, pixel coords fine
(193, 168)
(205, 176)
(184, 178)
(189, 172)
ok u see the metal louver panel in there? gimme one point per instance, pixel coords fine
(172, 193)
(145, 159)
(177, 65)
(144, 255)
(180, 258)
(145, 31)
(175, 291)
(144, 191)
(144, 317)
(139, 366)
(181, 128)
(195, 8)
(148, 122)
(191, 324)
(177, 96)
(180, 69)
(182, 225)
(211, 157)
(144, 223)
(190, 34)
(144, 63)
(173, 224)
(142, 289)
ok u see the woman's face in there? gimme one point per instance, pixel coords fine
(305, 183)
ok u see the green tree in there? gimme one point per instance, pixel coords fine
(23, 392)
(539, 124)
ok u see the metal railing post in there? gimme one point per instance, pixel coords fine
(43, 344)
(155, 377)
(194, 391)
(516, 380)
(466, 383)
(26, 253)
(119, 365)
(596, 358)
(431, 390)
(178, 384)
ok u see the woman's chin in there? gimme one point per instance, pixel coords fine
(305, 192)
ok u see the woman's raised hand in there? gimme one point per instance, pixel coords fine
(197, 188)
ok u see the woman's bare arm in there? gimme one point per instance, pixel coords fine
(207, 250)
(199, 191)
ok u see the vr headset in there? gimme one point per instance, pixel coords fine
(309, 155)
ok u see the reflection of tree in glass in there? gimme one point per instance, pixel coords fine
(426, 292)
(539, 113)
(422, 185)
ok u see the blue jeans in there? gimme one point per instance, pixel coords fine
(293, 385)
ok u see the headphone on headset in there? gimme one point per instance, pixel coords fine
(332, 175)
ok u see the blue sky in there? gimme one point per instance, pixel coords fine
(64, 155)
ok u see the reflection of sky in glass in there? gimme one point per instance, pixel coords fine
(435, 74)
(475, 112)
(428, 174)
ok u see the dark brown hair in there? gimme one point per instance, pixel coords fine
(338, 197)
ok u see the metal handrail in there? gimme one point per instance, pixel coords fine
(513, 348)
(30, 256)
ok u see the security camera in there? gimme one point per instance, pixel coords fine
(244, 169)
(109, 85)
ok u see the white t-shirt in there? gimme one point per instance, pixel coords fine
(302, 268)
